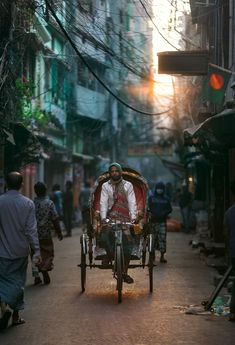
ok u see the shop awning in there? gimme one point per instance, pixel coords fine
(22, 148)
(83, 156)
(218, 131)
(176, 168)
(173, 165)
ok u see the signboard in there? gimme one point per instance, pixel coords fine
(148, 149)
(193, 62)
(200, 9)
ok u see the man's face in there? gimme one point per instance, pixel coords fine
(115, 174)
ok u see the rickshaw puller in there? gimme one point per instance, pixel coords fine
(118, 204)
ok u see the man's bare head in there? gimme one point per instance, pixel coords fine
(14, 180)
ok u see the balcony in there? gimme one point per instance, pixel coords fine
(57, 111)
(91, 103)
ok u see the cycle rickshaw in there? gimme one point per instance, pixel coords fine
(143, 250)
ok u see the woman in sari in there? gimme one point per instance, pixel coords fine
(47, 221)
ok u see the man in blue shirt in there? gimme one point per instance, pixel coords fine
(18, 233)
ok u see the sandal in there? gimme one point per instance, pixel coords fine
(232, 317)
(37, 280)
(5, 319)
(18, 322)
(46, 278)
(163, 260)
(127, 279)
(105, 263)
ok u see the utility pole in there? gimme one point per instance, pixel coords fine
(6, 17)
(177, 126)
(112, 131)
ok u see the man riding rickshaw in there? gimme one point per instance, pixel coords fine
(118, 216)
(118, 205)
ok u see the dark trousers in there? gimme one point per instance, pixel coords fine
(159, 231)
(185, 212)
(68, 214)
(86, 216)
(107, 241)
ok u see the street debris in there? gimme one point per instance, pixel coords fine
(193, 310)
(220, 307)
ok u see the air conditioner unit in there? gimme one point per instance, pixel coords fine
(41, 30)
(205, 3)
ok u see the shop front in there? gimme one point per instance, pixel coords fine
(214, 139)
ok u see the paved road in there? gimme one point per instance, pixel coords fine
(59, 314)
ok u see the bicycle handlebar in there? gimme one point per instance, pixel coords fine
(121, 226)
(118, 224)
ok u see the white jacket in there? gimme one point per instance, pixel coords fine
(106, 199)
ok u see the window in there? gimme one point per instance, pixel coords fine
(85, 6)
(86, 79)
(121, 16)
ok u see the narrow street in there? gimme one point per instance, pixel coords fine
(59, 314)
(115, 110)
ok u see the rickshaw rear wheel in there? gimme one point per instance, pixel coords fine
(83, 272)
(90, 251)
(143, 257)
(144, 253)
(150, 267)
(83, 266)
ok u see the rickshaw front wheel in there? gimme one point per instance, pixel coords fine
(119, 273)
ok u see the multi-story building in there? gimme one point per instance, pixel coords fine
(47, 74)
(113, 39)
(65, 91)
(212, 161)
(18, 56)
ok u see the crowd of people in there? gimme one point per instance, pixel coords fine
(27, 228)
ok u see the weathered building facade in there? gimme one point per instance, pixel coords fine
(212, 159)
(63, 96)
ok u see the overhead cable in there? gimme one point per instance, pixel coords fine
(144, 7)
(91, 70)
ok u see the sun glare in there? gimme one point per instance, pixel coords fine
(161, 14)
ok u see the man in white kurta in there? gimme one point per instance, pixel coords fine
(118, 204)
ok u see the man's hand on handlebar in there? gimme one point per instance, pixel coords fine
(105, 221)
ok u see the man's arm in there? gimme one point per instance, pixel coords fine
(169, 207)
(56, 221)
(31, 230)
(131, 202)
(103, 202)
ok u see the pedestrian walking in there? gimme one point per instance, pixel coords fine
(56, 197)
(47, 221)
(229, 223)
(18, 233)
(68, 208)
(185, 203)
(159, 207)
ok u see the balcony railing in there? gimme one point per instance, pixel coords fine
(91, 103)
